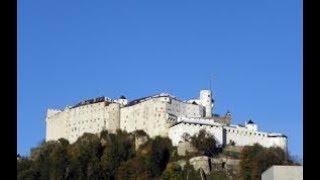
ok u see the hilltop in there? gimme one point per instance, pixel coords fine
(123, 155)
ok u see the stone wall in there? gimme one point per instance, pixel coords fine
(283, 173)
(184, 148)
(201, 162)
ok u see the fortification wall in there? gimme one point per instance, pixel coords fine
(176, 132)
(149, 115)
(183, 109)
(243, 136)
(56, 125)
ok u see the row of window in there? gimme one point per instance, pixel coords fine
(246, 133)
(86, 121)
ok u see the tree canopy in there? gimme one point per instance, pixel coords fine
(254, 160)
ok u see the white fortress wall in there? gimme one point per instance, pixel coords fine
(72, 122)
(149, 115)
(112, 117)
(56, 125)
(200, 120)
(86, 118)
(278, 140)
(176, 131)
(162, 114)
(184, 109)
(243, 136)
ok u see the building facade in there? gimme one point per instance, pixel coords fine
(283, 173)
(159, 115)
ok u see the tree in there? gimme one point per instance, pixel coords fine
(186, 137)
(25, 169)
(256, 159)
(117, 148)
(204, 142)
(159, 155)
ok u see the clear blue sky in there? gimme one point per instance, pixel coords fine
(72, 50)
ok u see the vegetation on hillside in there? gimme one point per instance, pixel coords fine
(254, 160)
(113, 156)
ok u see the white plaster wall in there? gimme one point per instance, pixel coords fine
(184, 109)
(278, 141)
(253, 127)
(201, 120)
(206, 101)
(149, 115)
(87, 118)
(112, 117)
(244, 136)
(176, 131)
(122, 102)
(283, 173)
(92, 118)
(56, 126)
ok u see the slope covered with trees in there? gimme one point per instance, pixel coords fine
(114, 156)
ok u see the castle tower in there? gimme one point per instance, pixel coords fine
(123, 101)
(206, 100)
(228, 117)
(251, 125)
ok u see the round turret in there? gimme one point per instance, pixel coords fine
(251, 125)
(122, 101)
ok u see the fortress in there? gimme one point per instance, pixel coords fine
(162, 114)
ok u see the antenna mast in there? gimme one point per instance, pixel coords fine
(210, 83)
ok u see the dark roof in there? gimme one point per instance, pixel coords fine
(92, 101)
(277, 135)
(250, 122)
(194, 103)
(136, 101)
(122, 97)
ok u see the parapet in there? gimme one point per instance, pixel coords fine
(52, 112)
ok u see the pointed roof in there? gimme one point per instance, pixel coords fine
(122, 97)
(250, 122)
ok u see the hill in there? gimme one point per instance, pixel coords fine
(136, 156)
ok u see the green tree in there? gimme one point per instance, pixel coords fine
(85, 156)
(159, 156)
(204, 142)
(25, 169)
(256, 159)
